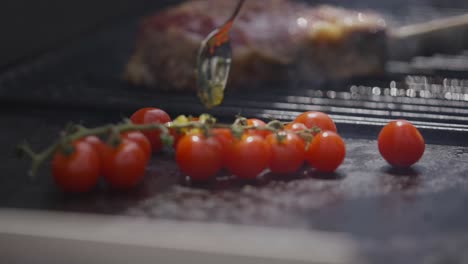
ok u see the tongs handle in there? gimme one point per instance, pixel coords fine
(444, 35)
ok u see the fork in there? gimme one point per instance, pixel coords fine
(214, 62)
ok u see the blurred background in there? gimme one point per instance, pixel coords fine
(32, 27)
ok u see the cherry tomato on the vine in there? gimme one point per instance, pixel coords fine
(225, 138)
(287, 152)
(312, 118)
(295, 126)
(140, 139)
(257, 123)
(135, 136)
(198, 156)
(98, 145)
(400, 143)
(298, 127)
(326, 151)
(124, 166)
(96, 142)
(249, 156)
(150, 115)
(78, 171)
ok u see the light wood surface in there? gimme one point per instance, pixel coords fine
(54, 237)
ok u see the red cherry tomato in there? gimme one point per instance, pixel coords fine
(248, 156)
(96, 142)
(151, 115)
(98, 146)
(257, 123)
(400, 143)
(326, 151)
(135, 136)
(198, 156)
(223, 135)
(93, 140)
(295, 126)
(124, 166)
(140, 139)
(79, 171)
(318, 119)
(287, 152)
(225, 138)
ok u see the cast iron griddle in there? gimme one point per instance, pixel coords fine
(423, 207)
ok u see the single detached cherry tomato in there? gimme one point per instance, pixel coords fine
(257, 123)
(400, 143)
(198, 156)
(139, 138)
(124, 166)
(150, 115)
(318, 119)
(326, 151)
(248, 156)
(287, 152)
(78, 171)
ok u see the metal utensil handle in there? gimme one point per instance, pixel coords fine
(236, 11)
(444, 35)
(431, 27)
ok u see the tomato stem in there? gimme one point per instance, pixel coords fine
(275, 125)
(80, 132)
(280, 136)
(36, 158)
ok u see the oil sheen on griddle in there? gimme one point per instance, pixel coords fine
(213, 73)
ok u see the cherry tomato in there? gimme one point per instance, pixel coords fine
(287, 152)
(79, 171)
(140, 139)
(326, 151)
(295, 126)
(400, 143)
(96, 142)
(225, 138)
(256, 123)
(198, 156)
(98, 146)
(151, 115)
(318, 119)
(248, 156)
(135, 136)
(124, 166)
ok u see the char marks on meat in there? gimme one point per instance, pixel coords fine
(272, 40)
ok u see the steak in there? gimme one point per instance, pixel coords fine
(272, 40)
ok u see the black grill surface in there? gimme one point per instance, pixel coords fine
(424, 207)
